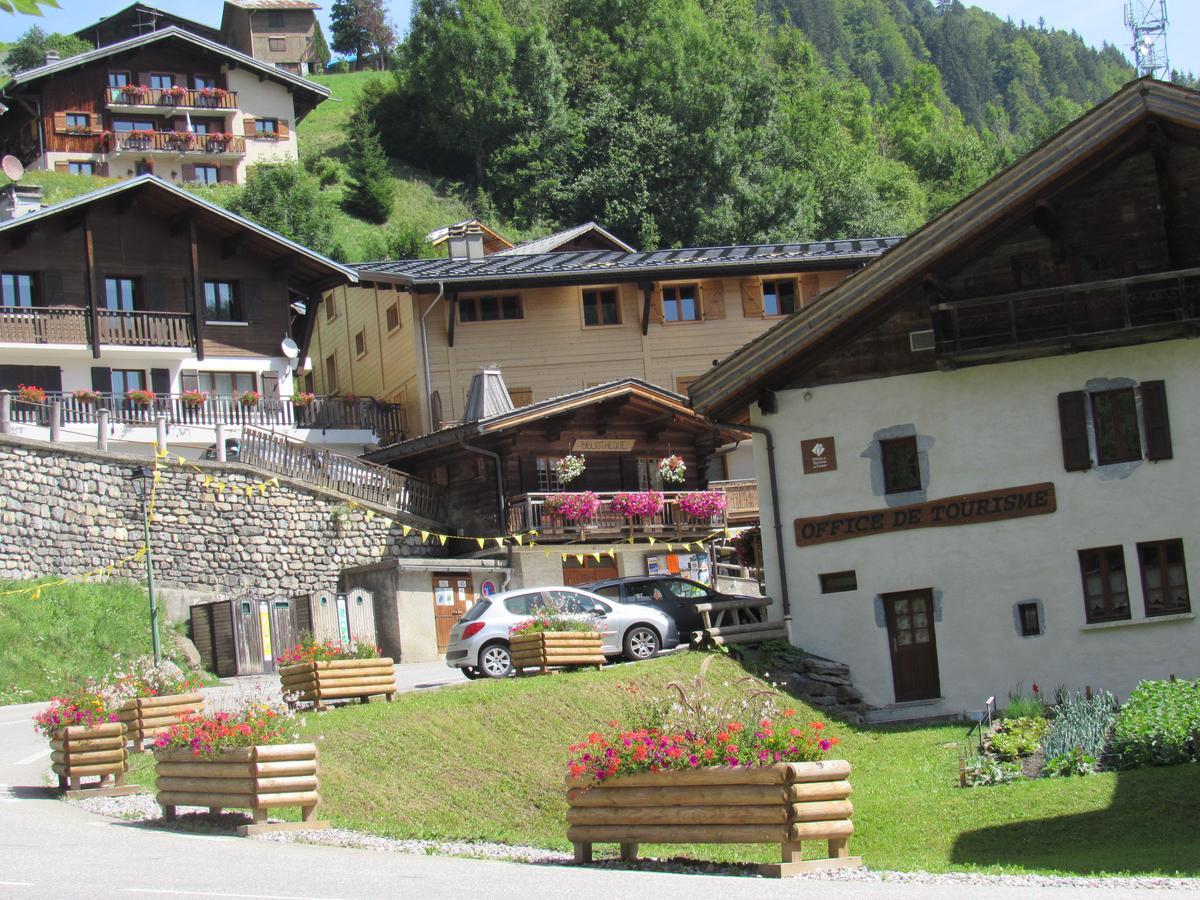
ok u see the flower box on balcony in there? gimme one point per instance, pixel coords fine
(258, 778)
(85, 397)
(783, 803)
(86, 751)
(702, 506)
(304, 399)
(148, 717)
(193, 399)
(141, 398)
(318, 680)
(545, 649)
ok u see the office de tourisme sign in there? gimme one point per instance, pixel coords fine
(964, 509)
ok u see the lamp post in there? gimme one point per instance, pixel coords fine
(142, 477)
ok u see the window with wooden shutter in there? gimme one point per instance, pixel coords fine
(656, 304)
(1155, 420)
(712, 299)
(160, 381)
(249, 129)
(1105, 587)
(102, 379)
(752, 298)
(270, 386)
(281, 128)
(60, 122)
(1072, 422)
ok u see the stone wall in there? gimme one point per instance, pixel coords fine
(66, 511)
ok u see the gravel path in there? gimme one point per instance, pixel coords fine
(142, 808)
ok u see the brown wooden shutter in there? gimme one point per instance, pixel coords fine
(62, 167)
(282, 128)
(752, 298)
(1155, 420)
(227, 175)
(248, 126)
(189, 381)
(102, 379)
(629, 473)
(50, 289)
(181, 79)
(712, 299)
(249, 294)
(143, 80)
(160, 381)
(153, 293)
(270, 385)
(810, 286)
(60, 122)
(1072, 420)
(656, 304)
(189, 172)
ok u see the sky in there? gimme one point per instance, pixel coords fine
(1095, 20)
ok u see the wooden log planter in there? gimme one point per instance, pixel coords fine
(146, 718)
(785, 804)
(338, 679)
(79, 751)
(556, 648)
(255, 778)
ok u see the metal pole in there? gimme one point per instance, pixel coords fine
(150, 577)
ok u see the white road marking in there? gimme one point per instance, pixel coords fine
(6, 795)
(41, 754)
(209, 894)
(17, 883)
(15, 722)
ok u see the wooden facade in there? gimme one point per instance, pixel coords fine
(279, 34)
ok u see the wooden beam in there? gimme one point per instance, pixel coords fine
(89, 284)
(647, 292)
(197, 289)
(452, 312)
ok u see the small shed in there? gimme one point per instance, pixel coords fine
(243, 635)
(331, 616)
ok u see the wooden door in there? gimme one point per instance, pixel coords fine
(453, 593)
(913, 645)
(576, 573)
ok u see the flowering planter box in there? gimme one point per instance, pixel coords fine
(80, 751)
(785, 804)
(544, 649)
(255, 778)
(146, 718)
(316, 681)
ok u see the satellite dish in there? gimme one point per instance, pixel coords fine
(290, 350)
(12, 168)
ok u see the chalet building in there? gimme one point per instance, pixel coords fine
(278, 32)
(139, 19)
(142, 286)
(984, 443)
(168, 102)
(497, 475)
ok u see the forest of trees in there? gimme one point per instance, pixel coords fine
(678, 122)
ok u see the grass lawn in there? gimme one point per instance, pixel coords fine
(486, 760)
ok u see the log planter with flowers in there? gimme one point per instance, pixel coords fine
(146, 718)
(552, 639)
(316, 673)
(86, 741)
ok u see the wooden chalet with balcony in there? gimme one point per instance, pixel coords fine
(167, 102)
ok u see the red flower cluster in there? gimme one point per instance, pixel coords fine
(310, 649)
(210, 736)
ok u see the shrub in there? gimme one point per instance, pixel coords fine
(1080, 723)
(142, 678)
(371, 189)
(327, 170)
(1073, 762)
(1014, 738)
(280, 196)
(1157, 724)
(310, 649)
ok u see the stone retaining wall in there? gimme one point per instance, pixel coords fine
(66, 511)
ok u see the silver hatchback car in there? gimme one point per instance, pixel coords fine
(479, 640)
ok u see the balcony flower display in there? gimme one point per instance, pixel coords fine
(213, 93)
(250, 398)
(174, 93)
(79, 129)
(193, 399)
(31, 393)
(639, 504)
(85, 395)
(304, 398)
(569, 468)
(182, 137)
(141, 397)
(577, 508)
(672, 469)
(702, 504)
(134, 92)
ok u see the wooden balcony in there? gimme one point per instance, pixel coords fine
(528, 512)
(1099, 313)
(741, 498)
(141, 99)
(178, 142)
(70, 325)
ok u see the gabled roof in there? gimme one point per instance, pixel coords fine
(199, 28)
(307, 264)
(553, 242)
(599, 266)
(294, 82)
(726, 390)
(667, 401)
(441, 235)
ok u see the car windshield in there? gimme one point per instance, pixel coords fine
(476, 611)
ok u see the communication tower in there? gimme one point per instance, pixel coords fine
(1147, 22)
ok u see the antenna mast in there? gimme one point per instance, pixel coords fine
(1147, 22)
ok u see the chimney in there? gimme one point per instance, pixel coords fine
(466, 241)
(50, 58)
(18, 199)
(488, 396)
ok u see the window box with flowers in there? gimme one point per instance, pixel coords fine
(702, 506)
(553, 638)
(85, 397)
(238, 760)
(86, 741)
(303, 399)
(134, 93)
(318, 671)
(142, 398)
(193, 399)
(572, 509)
(250, 399)
(640, 507)
(31, 393)
(172, 95)
(211, 96)
(711, 773)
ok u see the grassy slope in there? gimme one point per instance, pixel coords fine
(69, 632)
(485, 761)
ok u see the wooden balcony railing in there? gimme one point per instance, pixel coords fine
(741, 499)
(145, 329)
(528, 511)
(1049, 316)
(43, 325)
(144, 96)
(70, 325)
(179, 142)
(347, 475)
(383, 419)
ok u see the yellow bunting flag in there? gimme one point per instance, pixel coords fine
(352, 503)
(262, 488)
(651, 540)
(424, 536)
(220, 486)
(249, 490)
(670, 548)
(370, 514)
(274, 482)
(443, 538)
(518, 538)
(579, 558)
(499, 541)
(405, 529)
(597, 556)
(481, 542)
(533, 532)
(182, 461)
(208, 479)
(157, 475)
(37, 593)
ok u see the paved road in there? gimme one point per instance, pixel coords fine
(53, 849)
(409, 677)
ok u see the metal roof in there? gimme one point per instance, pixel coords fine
(242, 60)
(552, 242)
(273, 4)
(487, 397)
(600, 265)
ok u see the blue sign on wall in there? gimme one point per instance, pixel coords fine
(488, 588)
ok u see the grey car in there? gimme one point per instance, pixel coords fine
(479, 640)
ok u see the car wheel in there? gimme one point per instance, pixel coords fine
(471, 672)
(495, 661)
(641, 642)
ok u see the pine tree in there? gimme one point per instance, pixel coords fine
(371, 188)
(361, 27)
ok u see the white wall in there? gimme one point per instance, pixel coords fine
(985, 428)
(265, 99)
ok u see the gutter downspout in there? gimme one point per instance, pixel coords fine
(495, 457)
(425, 352)
(779, 548)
